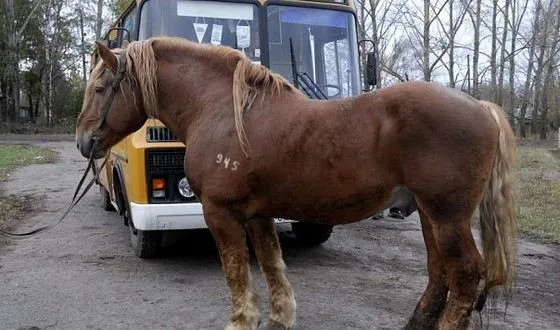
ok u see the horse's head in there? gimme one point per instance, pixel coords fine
(112, 106)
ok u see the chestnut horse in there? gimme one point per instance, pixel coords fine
(257, 148)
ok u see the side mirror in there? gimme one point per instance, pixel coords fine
(371, 69)
(116, 36)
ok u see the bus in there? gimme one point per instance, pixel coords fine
(312, 43)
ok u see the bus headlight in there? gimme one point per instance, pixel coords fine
(185, 189)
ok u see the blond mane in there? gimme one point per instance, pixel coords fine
(249, 80)
(141, 68)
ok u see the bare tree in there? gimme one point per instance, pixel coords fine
(99, 20)
(429, 43)
(515, 22)
(82, 44)
(503, 59)
(395, 64)
(426, 42)
(451, 51)
(450, 30)
(527, 87)
(494, 49)
(362, 27)
(476, 20)
(378, 19)
(57, 45)
(543, 39)
(550, 67)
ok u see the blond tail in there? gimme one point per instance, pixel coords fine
(498, 209)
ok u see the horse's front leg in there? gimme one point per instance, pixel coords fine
(282, 304)
(230, 238)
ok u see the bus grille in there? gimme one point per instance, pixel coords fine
(165, 160)
(160, 134)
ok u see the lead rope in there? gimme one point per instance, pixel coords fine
(75, 199)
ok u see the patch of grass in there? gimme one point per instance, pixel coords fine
(14, 155)
(539, 192)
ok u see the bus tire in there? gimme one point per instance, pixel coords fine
(311, 234)
(106, 200)
(120, 200)
(146, 244)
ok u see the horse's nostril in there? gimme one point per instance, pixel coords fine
(84, 144)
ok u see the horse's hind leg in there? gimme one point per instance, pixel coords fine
(230, 238)
(429, 308)
(464, 268)
(282, 304)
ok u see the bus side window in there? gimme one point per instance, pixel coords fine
(128, 24)
(118, 36)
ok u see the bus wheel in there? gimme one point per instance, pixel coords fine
(311, 234)
(145, 243)
(106, 199)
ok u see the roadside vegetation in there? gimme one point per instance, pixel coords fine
(14, 155)
(14, 207)
(539, 192)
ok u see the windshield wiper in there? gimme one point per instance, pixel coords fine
(303, 81)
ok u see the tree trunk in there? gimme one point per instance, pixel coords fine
(527, 87)
(494, 50)
(426, 42)
(469, 75)
(30, 109)
(511, 111)
(361, 37)
(515, 25)
(451, 49)
(3, 103)
(543, 38)
(99, 20)
(549, 75)
(500, 100)
(476, 50)
(375, 38)
(83, 47)
(36, 110)
(12, 69)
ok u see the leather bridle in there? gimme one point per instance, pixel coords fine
(119, 76)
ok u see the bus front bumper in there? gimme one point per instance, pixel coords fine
(176, 216)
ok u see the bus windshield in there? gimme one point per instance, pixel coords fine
(221, 23)
(324, 41)
(324, 47)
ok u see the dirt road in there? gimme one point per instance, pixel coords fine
(83, 274)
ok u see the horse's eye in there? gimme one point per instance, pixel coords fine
(99, 89)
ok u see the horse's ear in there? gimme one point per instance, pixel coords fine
(107, 56)
(125, 44)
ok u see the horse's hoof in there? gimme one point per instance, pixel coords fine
(242, 326)
(396, 213)
(377, 216)
(273, 325)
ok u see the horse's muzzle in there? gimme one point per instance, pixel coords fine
(86, 145)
